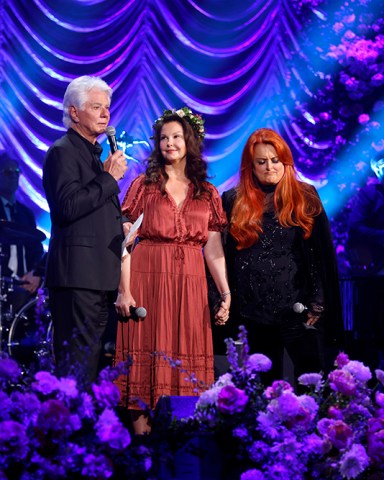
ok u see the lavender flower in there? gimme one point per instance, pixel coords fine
(110, 430)
(97, 466)
(13, 441)
(68, 386)
(6, 406)
(252, 475)
(25, 406)
(107, 394)
(87, 408)
(9, 370)
(354, 461)
(359, 371)
(376, 440)
(258, 363)
(46, 383)
(231, 400)
(258, 451)
(311, 379)
(380, 375)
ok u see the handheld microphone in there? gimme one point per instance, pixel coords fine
(111, 135)
(299, 307)
(138, 312)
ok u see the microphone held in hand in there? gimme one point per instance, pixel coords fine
(111, 135)
(299, 307)
(137, 312)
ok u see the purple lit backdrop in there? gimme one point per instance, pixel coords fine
(311, 69)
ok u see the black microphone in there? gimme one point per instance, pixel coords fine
(111, 134)
(137, 312)
(299, 307)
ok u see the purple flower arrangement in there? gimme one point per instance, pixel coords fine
(51, 429)
(334, 429)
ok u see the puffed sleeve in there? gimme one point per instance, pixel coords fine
(133, 203)
(217, 217)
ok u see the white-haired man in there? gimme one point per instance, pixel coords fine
(83, 266)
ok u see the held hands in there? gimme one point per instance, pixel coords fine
(222, 313)
(116, 165)
(314, 313)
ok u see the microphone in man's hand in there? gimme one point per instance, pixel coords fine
(111, 135)
(299, 307)
(137, 312)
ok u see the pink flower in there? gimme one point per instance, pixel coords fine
(363, 118)
(277, 388)
(377, 80)
(341, 360)
(231, 400)
(338, 432)
(343, 382)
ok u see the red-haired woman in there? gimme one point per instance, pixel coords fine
(280, 253)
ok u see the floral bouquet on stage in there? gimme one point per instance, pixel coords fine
(335, 430)
(49, 429)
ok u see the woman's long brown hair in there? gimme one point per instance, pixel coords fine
(296, 203)
(196, 167)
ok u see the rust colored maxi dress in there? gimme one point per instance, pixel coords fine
(168, 279)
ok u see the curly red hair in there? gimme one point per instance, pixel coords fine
(296, 203)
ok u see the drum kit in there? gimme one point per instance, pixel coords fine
(25, 335)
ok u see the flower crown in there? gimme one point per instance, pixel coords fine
(194, 119)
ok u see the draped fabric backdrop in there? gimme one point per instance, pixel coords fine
(311, 69)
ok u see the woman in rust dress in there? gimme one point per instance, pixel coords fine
(182, 223)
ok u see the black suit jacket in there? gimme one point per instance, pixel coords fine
(86, 236)
(33, 249)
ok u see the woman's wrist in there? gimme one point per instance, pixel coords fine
(225, 294)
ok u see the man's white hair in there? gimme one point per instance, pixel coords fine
(77, 93)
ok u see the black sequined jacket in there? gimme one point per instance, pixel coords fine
(281, 269)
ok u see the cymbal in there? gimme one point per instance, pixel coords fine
(12, 233)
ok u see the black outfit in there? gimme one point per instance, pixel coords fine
(84, 257)
(269, 277)
(31, 250)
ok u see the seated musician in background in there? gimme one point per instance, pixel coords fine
(21, 262)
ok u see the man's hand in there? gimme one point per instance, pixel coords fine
(116, 165)
(32, 284)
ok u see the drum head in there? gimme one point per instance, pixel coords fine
(30, 335)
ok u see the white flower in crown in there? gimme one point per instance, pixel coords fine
(195, 120)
